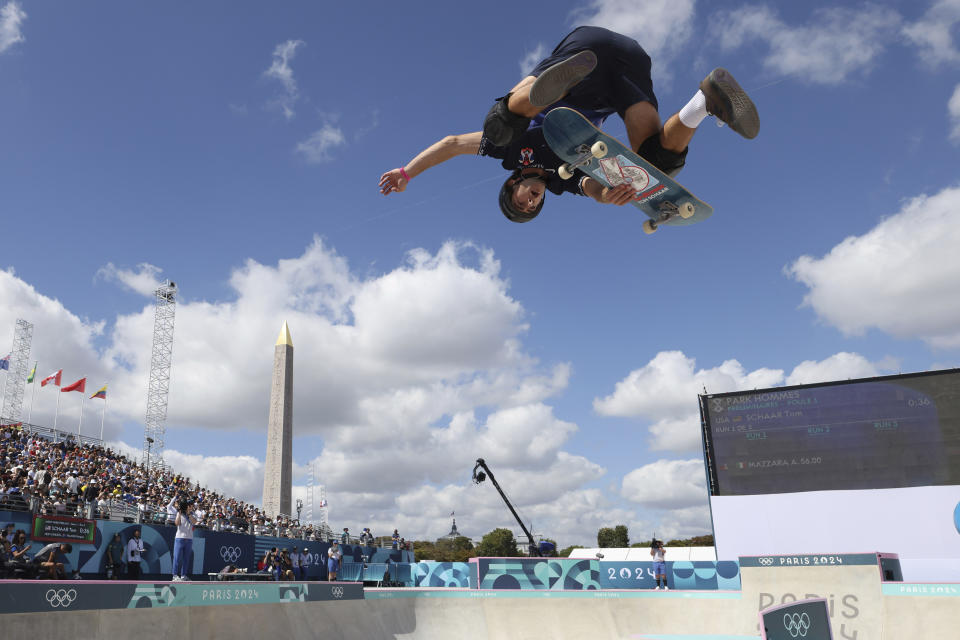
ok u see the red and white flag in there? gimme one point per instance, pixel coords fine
(80, 385)
(54, 378)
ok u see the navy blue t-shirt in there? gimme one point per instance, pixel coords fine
(532, 150)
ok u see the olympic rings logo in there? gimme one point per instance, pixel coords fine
(61, 597)
(230, 554)
(337, 592)
(796, 623)
(766, 562)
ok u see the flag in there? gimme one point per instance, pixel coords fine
(33, 374)
(80, 385)
(53, 377)
(5, 362)
(100, 394)
(451, 514)
(323, 503)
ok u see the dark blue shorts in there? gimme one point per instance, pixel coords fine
(621, 79)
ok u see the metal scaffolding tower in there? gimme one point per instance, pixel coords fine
(17, 373)
(159, 386)
(316, 497)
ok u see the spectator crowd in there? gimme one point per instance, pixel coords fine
(61, 477)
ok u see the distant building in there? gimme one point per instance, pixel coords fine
(454, 534)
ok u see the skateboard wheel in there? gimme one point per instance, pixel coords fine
(599, 149)
(649, 227)
(687, 210)
(564, 172)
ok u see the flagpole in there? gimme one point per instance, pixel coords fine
(83, 396)
(33, 394)
(57, 414)
(103, 413)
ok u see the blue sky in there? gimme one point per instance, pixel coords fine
(236, 147)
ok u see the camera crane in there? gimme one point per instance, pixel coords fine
(480, 476)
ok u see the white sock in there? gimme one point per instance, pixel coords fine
(694, 111)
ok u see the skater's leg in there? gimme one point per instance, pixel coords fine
(666, 147)
(642, 121)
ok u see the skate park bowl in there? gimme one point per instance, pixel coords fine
(861, 605)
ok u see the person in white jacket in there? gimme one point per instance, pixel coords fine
(134, 555)
(183, 543)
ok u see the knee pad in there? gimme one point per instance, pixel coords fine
(670, 162)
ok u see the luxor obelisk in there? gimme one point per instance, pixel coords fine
(278, 470)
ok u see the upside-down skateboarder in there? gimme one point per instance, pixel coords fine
(597, 72)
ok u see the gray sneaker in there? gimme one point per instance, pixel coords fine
(554, 83)
(727, 100)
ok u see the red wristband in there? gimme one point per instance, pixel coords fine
(404, 174)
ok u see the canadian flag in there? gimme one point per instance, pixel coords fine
(54, 378)
(80, 385)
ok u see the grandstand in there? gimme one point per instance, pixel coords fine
(50, 472)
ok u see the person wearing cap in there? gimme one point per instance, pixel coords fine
(304, 561)
(114, 558)
(345, 536)
(295, 564)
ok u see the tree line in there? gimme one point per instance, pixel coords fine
(501, 543)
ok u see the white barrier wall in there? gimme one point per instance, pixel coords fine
(919, 524)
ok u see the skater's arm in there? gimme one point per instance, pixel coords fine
(619, 195)
(440, 151)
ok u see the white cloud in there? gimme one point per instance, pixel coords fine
(280, 70)
(933, 33)
(61, 340)
(530, 60)
(142, 280)
(840, 366)
(11, 19)
(900, 277)
(662, 27)
(953, 110)
(665, 391)
(667, 484)
(407, 376)
(316, 149)
(835, 44)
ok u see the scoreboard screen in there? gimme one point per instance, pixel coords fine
(887, 432)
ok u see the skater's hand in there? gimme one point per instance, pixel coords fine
(618, 195)
(392, 180)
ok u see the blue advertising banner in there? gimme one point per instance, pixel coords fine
(211, 552)
(31, 597)
(575, 574)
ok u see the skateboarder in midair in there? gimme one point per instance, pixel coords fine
(596, 72)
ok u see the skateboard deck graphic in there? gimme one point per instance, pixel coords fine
(585, 147)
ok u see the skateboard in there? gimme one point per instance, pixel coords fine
(583, 146)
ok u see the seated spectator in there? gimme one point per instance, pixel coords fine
(52, 559)
(5, 557)
(19, 548)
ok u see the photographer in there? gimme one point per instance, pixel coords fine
(183, 543)
(658, 553)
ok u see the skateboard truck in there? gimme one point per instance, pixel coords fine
(669, 210)
(585, 153)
